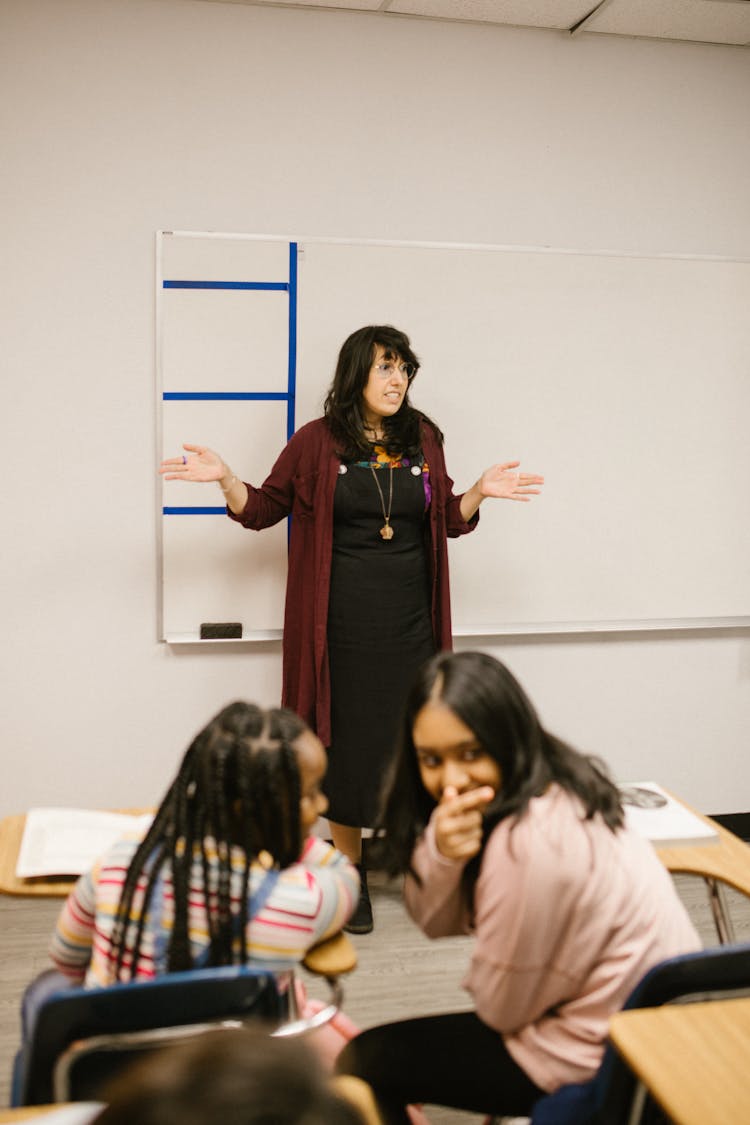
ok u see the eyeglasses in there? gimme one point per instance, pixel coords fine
(388, 370)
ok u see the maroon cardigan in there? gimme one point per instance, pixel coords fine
(302, 482)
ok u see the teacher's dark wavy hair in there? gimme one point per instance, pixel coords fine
(489, 700)
(343, 404)
(238, 784)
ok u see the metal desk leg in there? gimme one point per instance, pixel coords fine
(638, 1104)
(720, 911)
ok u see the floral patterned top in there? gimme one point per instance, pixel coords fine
(380, 459)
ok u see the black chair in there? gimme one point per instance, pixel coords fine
(614, 1096)
(83, 1037)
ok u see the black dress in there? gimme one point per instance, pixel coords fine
(379, 629)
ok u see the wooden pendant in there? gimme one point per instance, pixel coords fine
(386, 531)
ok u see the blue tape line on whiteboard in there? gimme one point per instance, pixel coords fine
(278, 286)
(292, 378)
(207, 396)
(194, 511)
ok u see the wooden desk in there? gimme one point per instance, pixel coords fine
(26, 1113)
(83, 1112)
(693, 1058)
(726, 862)
(11, 833)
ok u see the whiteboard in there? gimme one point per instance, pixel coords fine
(623, 379)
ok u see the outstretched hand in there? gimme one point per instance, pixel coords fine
(200, 464)
(458, 821)
(500, 481)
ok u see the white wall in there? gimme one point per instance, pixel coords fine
(121, 117)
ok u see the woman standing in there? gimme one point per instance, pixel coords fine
(367, 596)
(505, 832)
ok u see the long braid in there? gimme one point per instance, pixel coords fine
(222, 794)
(208, 891)
(181, 850)
(218, 815)
(154, 870)
(284, 784)
(156, 848)
(244, 789)
(271, 821)
(238, 791)
(124, 918)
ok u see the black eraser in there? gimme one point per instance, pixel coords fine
(220, 630)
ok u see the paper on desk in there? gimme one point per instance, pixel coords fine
(78, 1113)
(670, 825)
(60, 841)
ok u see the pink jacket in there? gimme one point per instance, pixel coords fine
(568, 918)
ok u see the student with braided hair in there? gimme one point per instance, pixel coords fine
(230, 835)
(226, 873)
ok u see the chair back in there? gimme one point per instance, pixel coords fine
(708, 974)
(88, 1035)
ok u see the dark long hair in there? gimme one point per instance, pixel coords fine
(239, 784)
(343, 404)
(487, 697)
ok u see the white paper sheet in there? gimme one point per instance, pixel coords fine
(59, 841)
(669, 824)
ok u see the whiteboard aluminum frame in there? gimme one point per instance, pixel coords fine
(681, 625)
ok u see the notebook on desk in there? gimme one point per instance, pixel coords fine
(652, 812)
(59, 841)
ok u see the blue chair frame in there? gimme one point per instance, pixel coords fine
(614, 1096)
(82, 1037)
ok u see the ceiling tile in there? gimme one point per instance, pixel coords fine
(700, 21)
(704, 21)
(345, 5)
(560, 14)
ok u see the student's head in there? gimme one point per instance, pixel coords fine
(250, 780)
(469, 723)
(251, 777)
(233, 1077)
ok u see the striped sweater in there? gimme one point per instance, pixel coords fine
(310, 901)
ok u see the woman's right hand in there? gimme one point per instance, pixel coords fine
(201, 464)
(458, 821)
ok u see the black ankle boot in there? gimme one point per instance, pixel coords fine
(361, 920)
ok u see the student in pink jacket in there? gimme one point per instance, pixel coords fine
(505, 832)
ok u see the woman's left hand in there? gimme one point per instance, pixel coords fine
(501, 482)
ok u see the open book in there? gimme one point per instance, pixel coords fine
(60, 841)
(662, 819)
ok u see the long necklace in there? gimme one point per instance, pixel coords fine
(386, 531)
